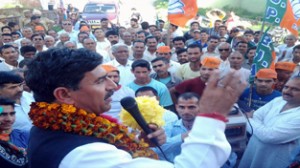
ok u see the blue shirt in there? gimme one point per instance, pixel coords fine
(163, 92)
(19, 138)
(257, 99)
(172, 147)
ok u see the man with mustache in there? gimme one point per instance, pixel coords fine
(121, 91)
(11, 87)
(112, 36)
(275, 129)
(263, 91)
(9, 56)
(71, 132)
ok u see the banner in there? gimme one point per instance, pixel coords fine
(284, 13)
(181, 11)
(265, 55)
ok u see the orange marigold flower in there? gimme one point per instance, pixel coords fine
(92, 115)
(68, 108)
(68, 118)
(53, 106)
(41, 104)
(82, 112)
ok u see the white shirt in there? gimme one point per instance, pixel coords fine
(174, 66)
(104, 45)
(201, 149)
(23, 122)
(73, 34)
(125, 71)
(104, 54)
(177, 33)
(269, 123)
(275, 135)
(285, 53)
(244, 74)
(6, 67)
(116, 107)
(148, 56)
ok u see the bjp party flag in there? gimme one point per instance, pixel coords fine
(284, 13)
(265, 55)
(180, 11)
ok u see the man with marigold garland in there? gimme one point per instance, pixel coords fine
(69, 131)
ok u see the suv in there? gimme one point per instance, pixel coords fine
(93, 12)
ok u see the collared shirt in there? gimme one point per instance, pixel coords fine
(148, 56)
(244, 74)
(172, 147)
(275, 135)
(285, 53)
(224, 66)
(173, 82)
(6, 67)
(169, 117)
(212, 143)
(126, 75)
(116, 107)
(174, 66)
(73, 34)
(23, 122)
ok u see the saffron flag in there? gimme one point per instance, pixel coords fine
(180, 11)
(284, 13)
(265, 55)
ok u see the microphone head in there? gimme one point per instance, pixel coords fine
(128, 102)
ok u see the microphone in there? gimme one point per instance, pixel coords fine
(130, 105)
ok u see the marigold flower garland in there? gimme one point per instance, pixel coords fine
(150, 110)
(4, 136)
(70, 119)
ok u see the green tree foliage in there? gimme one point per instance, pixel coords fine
(161, 4)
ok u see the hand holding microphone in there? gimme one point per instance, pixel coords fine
(158, 137)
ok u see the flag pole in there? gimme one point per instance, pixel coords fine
(261, 33)
(264, 20)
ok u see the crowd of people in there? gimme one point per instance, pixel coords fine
(60, 94)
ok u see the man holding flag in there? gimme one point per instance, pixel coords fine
(275, 126)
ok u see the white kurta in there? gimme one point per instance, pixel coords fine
(275, 135)
(201, 149)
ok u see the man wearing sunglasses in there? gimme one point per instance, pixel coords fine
(224, 52)
(68, 28)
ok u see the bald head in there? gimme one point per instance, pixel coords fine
(290, 40)
(236, 60)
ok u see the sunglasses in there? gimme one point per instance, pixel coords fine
(225, 49)
(69, 24)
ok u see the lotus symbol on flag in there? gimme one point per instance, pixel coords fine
(176, 7)
(296, 8)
